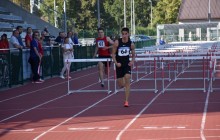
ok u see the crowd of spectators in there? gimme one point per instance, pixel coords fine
(35, 41)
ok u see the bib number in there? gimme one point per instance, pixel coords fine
(101, 44)
(124, 51)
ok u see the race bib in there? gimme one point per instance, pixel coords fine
(101, 43)
(123, 51)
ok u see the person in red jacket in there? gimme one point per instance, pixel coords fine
(4, 44)
(28, 37)
(103, 50)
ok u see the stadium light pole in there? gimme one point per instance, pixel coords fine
(151, 12)
(133, 19)
(64, 9)
(98, 10)
(209, 14)
(55, 14)
(124, 13)
(131, 16)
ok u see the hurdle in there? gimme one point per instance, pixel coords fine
(203, 73)
(90, 60)
(212, 67)
(145, 89)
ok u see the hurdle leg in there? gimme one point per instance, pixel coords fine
(155, 76)
(68, 79)
(204, 75)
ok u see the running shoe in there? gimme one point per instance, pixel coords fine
(102, 84)
(126, 104)
(41, 80)
(37, 82)
(61, 76)
(69, 77)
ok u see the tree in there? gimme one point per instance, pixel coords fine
(82, 14)
(166, 12)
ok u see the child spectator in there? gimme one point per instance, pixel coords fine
(67, 54)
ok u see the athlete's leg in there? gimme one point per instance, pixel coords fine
(127, 78)
(121, 82)
(100, 68)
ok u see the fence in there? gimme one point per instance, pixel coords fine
(15, 69)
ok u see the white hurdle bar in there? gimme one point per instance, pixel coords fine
(210, 58)
(90, 60)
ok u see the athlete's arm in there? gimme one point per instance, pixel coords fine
(132, 54)
(96, 50)
(114, 49)
(111, 42)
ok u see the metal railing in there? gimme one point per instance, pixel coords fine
(15, 69)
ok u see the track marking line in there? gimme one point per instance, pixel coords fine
(45, 132)
(89, 128)
(17, 130)
(144, 109)
(91, 106)
(23, 94)
(202, 135)
(37, 106)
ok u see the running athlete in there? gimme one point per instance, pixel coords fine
(103, 49)
(120, 55)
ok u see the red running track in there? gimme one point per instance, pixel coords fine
(46, 112)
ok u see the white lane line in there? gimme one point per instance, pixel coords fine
(202, 135)
(41, 105)
(164, 127)
(16, 130)
(45, 132)
(88, 128)
(176, 138)
(51, 129)
(136, 117)
(23, 130)
(141, 112)
(20, 95)
(33, 108)
(181, 138)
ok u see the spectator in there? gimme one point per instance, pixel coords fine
(28, 37)
(44, 38)
(67, 54)
(16, 56)
(20, 30)
(4, 44)
(60, 38)
(35, 57)
(46, 45)
(46, 30)
(14, 40)
(69, 35)
(75, 38)
(162, 42)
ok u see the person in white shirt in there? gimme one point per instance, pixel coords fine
(14, 41)
(69, 35)
(67, 54)
(16, 57)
